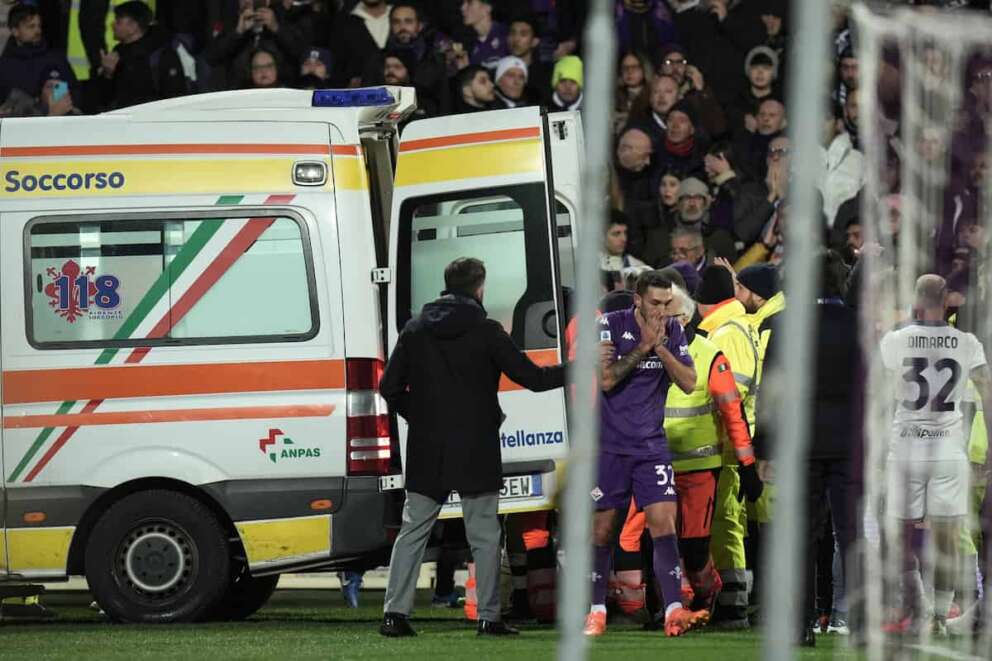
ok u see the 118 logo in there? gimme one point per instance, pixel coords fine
(73, 290)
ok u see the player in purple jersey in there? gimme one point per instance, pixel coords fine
(649, 353)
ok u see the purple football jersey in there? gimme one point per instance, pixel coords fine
(631, 415)
(488, 51)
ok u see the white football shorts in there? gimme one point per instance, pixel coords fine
(919, 489)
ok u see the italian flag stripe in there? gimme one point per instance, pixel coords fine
(200, 237)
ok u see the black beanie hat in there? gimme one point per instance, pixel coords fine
(716, 287)
(406, 56)
(685, 108)
(762, 279)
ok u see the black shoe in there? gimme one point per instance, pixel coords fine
(396, 625)
(808, 638)
(655, 622)
(488, 628)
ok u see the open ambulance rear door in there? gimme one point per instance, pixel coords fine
(482, 186)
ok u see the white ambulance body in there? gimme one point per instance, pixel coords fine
(195, 317)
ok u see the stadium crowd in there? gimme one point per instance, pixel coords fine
(700, 188)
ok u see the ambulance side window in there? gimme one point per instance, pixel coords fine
(566, 251)
(506, 228)
(145, 281)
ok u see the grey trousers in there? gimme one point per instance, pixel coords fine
(483, 532)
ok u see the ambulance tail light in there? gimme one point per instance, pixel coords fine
(368, 437)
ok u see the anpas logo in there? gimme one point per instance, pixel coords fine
(62, 181)
(521, 438)
(283, 448)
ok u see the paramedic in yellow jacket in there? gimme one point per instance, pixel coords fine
(725, 324)
(701, 426)
(760, 292)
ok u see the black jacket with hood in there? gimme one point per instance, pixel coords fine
(443, 378)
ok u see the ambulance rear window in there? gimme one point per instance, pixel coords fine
(505, 227)
(142, 281)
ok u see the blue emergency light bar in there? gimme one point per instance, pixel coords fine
(351, 98)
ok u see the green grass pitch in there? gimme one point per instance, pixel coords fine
(315, 625)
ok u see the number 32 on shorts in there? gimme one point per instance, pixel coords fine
(665, 473)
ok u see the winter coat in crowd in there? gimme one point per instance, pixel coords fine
(27, 66)
(231, 52)
(842, 176)
(429, 72)
(837, 379)
(134, 79)
(718, 48)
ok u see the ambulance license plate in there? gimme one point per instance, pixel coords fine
(514, 487)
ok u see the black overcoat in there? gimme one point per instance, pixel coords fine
(443, 378)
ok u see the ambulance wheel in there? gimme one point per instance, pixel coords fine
(245, 595)
(156, 557)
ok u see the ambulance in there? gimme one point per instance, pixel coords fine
(198, 296)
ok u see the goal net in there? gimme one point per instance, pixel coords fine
(925, 91)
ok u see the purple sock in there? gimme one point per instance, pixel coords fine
(667, 570)
(915, 540)
(601, 556)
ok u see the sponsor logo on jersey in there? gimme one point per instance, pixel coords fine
(915, 431)
(278, 447)
(522, 438)
(627, 335)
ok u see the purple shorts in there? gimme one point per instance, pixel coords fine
(649, 479)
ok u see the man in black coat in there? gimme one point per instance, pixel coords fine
(443, 378)
(832, 483)
(27, 60)
(127, 75)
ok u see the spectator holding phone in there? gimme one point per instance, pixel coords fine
(693, 89)
(27, 57)
(261, 25)
(56, 97)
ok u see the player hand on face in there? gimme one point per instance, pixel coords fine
(651, 323)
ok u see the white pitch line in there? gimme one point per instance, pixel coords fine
(945, 653)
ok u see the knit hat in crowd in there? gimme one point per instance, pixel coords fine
(692, 186)
(507, 63)
(762, 279)
(687, 273)
(406, 56)
(717, 286)
(761, 55)
(686, 109)
(684, 275)
(569, 68)
(321, 55)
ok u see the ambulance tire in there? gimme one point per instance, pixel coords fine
(157, 557)
(244, 596)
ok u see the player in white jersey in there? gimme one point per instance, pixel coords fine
(927, 470)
